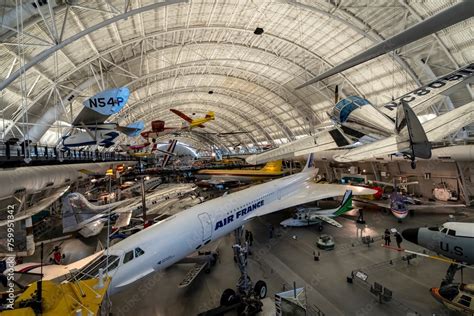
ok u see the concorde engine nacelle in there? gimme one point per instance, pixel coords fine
(360, 115)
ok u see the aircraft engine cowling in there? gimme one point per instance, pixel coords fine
(359, 114)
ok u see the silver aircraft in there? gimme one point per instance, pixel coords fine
(453, 240)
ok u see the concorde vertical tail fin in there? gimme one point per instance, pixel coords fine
(77, 211)
(309, 163)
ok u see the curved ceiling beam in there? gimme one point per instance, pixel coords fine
(240, 95)
(415, 14)
(201, 95)
(136, 40)
(307, 110)
(138, 106)
(370, 33)
(261, 105)
(46, 53)
(175, 72)
(221, 124)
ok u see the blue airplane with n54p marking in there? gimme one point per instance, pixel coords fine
(90, 128)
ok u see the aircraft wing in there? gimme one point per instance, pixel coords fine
(325, 140)
(420, 98)
(182, 115)
(99, 107)
(326, 219)
(38, 206)
(123, 219)
(435, 129)
(54, 271)
(93, 229)
(310, 192)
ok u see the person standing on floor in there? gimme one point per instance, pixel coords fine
(387, 237)
(398, 239)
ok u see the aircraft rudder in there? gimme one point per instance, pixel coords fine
(309, 163)
(210, 115)
(346, 203)
(75, 210)
(109, 101)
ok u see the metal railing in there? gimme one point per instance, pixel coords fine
(40, 153)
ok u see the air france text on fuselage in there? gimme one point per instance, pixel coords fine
(238, 214)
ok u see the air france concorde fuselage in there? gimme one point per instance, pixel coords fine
(178, 236)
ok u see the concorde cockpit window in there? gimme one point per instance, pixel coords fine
(434, 229)
(128, 256)
(451, 232)
(138, 252)
(444, 230)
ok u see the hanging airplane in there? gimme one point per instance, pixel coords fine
(140, 151)
(158, 128)
(88, 219)
(306, 216)
(273, 169)
(90, 128)
(173, 239)
(190, 123)
(362, 131)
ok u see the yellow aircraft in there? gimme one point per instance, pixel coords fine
(67, 298)
(272, 169)
(198, 122)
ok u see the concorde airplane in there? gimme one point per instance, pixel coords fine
(90, 128)
(173, 239)
(178, 236)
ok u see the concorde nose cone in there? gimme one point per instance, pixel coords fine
(411, 234)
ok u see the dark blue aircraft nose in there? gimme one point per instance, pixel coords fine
(411, 234)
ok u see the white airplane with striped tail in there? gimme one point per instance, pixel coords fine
(305, 216)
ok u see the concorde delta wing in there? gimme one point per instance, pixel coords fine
(310, 191)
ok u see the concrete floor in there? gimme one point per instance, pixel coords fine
(282, 260)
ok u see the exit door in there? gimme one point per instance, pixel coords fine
(206, 224)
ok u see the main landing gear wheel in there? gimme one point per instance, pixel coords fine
(228, 297)
(320, 227)
(260, 289)
(413, 164)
